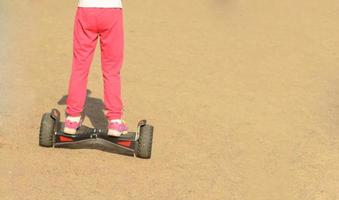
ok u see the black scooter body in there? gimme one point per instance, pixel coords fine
(137, 143)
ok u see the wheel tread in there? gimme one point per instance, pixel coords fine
(46, 130)
(144, 144)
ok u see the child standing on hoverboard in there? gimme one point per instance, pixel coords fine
(95, 19)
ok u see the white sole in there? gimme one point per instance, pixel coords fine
(116, 133)
(70, 131)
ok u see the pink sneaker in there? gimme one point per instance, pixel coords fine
(72, 124)
(117, 127)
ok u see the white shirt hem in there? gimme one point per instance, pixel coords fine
(100, 4)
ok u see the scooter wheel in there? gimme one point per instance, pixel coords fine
(46, 131)
(144, 144)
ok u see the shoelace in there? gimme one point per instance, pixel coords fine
(117, 126)
(72, 125)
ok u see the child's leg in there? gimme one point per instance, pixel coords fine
(84, 42)
(112, 47)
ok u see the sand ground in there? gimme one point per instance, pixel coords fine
(243, 94)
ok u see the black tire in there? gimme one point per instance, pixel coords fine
(144, 144)
(46, 135)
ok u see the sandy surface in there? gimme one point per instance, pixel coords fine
(243, 94)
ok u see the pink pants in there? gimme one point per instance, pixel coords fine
(91, 24)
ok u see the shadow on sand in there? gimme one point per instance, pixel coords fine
(94, 110)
